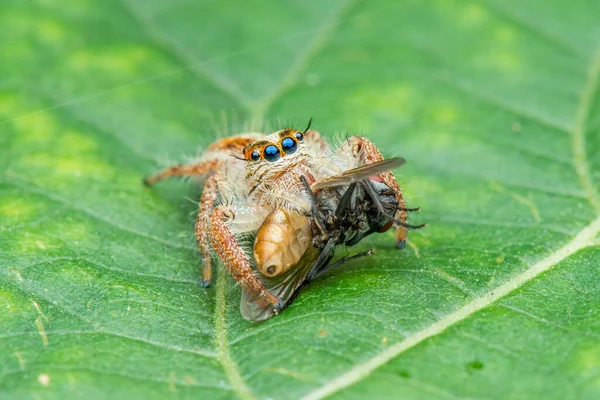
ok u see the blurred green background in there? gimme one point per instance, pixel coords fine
(494, 105)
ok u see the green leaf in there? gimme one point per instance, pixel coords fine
(494, 105)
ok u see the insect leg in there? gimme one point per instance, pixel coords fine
(409, 209)
(235, 259)
(345, 200)
(207, 201)
(373, 195)
(341, 262)
(322, 260)
(368, 153)
(318, 217)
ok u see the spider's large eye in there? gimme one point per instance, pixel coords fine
(299, 136)
(289, 145)
(271, 153)
(255, 155)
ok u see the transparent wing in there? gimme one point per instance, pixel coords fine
(285, 287)
(360, 173)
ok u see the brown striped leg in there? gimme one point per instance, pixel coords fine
(235, 259)
(229, 145)
(368, 153)
(201, 168)
(207, 201)
(314, 136)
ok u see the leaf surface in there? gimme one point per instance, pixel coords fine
(495, 108)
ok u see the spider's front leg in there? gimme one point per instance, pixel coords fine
(235, 258)
(211, 162)
(367, 153)
(201, 168)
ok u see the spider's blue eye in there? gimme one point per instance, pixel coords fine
(299, 136)
(271, 153)
(289, 145)
(255, 155)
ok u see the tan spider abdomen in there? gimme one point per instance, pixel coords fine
(281, 241)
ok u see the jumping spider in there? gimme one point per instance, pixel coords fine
(298, 199)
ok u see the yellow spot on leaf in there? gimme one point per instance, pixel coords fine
(126, 59)
(35, 127)
(69, 166)
(396, 100)
(586, 359)
(77, 142)
(427, 186)
(44, 379)
(9, 105)
(474, 14)
(506, 61)
(445, 114)
(28, 243)
(71, 232)
(11, 304)
(49, 31)
(17, 208)
(505, 34)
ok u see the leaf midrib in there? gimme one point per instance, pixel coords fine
(223, 354)
(579, 129)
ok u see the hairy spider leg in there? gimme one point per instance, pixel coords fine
(235, 259)
(367, 153)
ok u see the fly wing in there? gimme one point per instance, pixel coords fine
(360, 173)
(285, 287)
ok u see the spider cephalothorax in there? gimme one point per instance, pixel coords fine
(274, 165)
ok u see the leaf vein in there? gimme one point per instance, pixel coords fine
(318, 42)
(223, 354)
(584, 239)
(112, 373)
(579, 130)
(557, 41)
(468, 89)
(189, 64)
(90, 213)
(100, 328)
